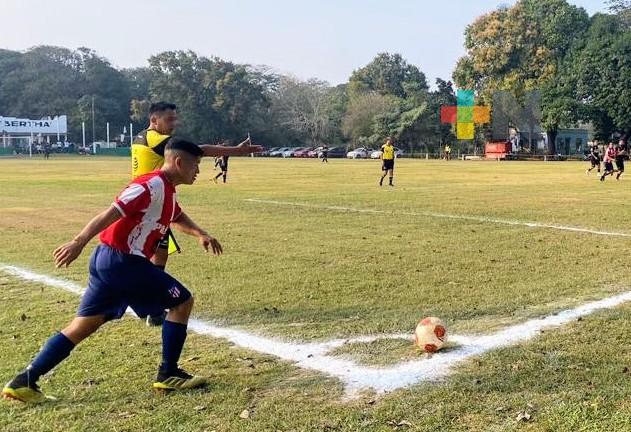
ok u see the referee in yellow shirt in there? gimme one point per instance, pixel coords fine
(387, 157)
(147, 155)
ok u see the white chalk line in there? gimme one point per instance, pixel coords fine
(444, 216)
(358, 378)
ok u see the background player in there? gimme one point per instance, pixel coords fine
(594, 157)
(147, 155)
(387, 157)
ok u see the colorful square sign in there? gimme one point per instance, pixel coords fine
(466, 115)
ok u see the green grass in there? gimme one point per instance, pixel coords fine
(314, 274)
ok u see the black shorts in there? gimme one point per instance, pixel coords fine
(620, 164)
(608, 166)
(595, 161)
(388, 164)
(119, 280)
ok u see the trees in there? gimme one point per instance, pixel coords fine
(47, 80)
(388, 74)
(622, 8)
(301, 107)
(216, 99)
(388, 97)
(603, 71)
(521, 49)
(369, 118)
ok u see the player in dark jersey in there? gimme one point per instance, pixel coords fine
(223, 165)
(594, 158)
(621, 155)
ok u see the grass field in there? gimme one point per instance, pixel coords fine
(316, 272)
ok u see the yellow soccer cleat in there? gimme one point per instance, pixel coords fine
(178, 380)
(20, 389)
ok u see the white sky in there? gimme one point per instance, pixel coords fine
(326, 39)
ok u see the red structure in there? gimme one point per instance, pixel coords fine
(497, 149)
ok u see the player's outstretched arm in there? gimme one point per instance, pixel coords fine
(68, 252)
(243, 149)
(186, 225)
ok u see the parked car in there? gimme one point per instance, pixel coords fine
(377, 153)
(335, 152)
(278, 152)
(359, 153)
(290, 152)
(303, 153)
(267, 152)
(315, 152)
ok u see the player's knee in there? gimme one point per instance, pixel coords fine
(82, 327)
(185, 307)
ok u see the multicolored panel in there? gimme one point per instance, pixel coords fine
(481, 115)
(465, 98)
(465, 114)
(465, 131)
(448, 114)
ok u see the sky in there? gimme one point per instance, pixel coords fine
(325, 39)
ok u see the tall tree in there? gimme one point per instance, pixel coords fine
(622, 8)
(603, 70)
(388, 74)
(216, 99)
(369, 118)
(306, 107)
(521, 49)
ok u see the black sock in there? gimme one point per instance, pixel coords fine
(54, 351)
(391, 181)
(173, 338)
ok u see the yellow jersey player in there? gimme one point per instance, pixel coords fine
(387, 157)
(147, 155)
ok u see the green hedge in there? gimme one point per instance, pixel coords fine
(119, 151)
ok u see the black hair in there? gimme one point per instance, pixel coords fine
(185, 146)
(160, 107)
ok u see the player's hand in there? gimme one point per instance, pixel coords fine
(67, 253)
(246, 148)
(209, 242)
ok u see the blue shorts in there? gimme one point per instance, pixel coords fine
(118, 280)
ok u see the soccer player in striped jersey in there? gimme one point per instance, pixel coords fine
(610, 156)
(147, 155)
(122, 275)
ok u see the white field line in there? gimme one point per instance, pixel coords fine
(357, 378)
(444, 216)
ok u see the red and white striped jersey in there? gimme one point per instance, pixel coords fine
(610, 154)
(148, 206)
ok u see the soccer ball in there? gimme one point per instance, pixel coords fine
(430, 334)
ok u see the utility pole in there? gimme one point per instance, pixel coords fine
(93, 135)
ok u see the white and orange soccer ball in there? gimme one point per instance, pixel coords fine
(430, 334)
